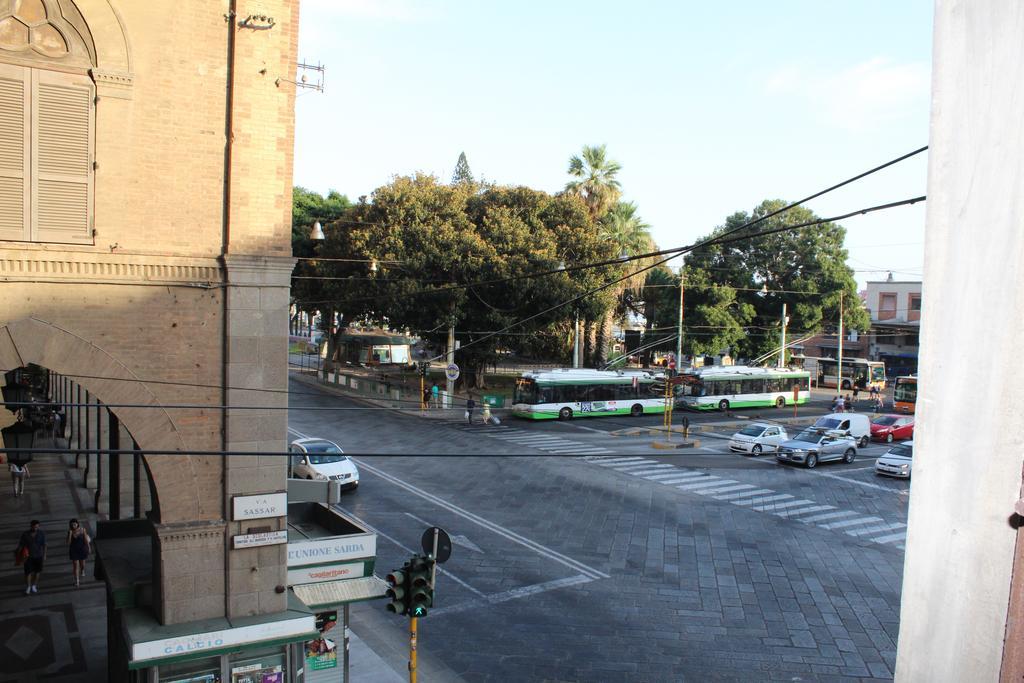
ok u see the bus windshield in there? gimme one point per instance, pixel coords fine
(905, 391)
(526, 392)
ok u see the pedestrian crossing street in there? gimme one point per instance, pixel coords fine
(854, 524)
(542, 442)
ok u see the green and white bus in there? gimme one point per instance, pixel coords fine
(567, 393)
(736, 386)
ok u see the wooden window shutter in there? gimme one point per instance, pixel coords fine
(62, 143)
(15, 96)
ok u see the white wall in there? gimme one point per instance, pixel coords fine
(960, 545)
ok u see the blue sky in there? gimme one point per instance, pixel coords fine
(709, 107)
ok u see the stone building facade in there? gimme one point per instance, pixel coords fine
(145, 254)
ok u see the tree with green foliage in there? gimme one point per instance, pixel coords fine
(308, 207)
(630, 235)
(438, 245)
(462, 173)
(595, 180)
(804, 268)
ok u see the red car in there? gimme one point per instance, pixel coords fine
(891, 428)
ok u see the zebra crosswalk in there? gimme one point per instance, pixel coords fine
(855, 524)
(548, 443)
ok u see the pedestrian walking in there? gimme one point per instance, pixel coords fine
(835, 404)
(79, 546)
(426, 399)
(34, 541)
(435, 392)
(485, 413)
(856, 391)
(840, 404)
(470, 407)
(19, 473)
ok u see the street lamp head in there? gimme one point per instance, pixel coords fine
(561, 265)
(373, 266)
(764, 290)
(317, 233)
(624, 256)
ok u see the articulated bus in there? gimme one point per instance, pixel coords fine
(905, 394)
(737, 386)
(567, 393)
(856, 372)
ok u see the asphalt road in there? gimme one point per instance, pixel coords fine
(580, 555)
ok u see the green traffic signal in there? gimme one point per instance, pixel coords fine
(422, 586)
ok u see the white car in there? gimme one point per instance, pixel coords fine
(758, 437)
(896, 462)
(323, 460)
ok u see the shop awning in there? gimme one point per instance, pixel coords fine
(329, 593)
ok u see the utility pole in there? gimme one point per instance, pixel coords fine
(839, 369)
(679, 332)
(782, 342)
(576, 342)
(449, 359)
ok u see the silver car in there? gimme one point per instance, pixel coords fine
(812, 446)
(896, 462)
(758, 437)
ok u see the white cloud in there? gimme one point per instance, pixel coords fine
(860, 97)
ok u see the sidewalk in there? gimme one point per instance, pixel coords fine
(59, 634)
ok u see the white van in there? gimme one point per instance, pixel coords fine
(851, 424)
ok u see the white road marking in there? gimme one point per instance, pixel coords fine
(745, 494)
(876, 529)
(515, 593)
(589, 429)
(852, 522)
(487, 524)
(653, 469)
(772, 507)
(804, 511)
(727, 489)
(667, 475)
(712, 481)
(608, 462)
(674, 480)
(761, 500)
(890, 537)
(830, 515)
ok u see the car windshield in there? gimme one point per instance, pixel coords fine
(903, 450)
(752, 430)
(324, 453)
(827, 423)
(884, 420)
(809, 436)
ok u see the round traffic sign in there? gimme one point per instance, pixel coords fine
(452, 371)
(444, 544)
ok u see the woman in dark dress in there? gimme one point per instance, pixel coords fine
(78, 548)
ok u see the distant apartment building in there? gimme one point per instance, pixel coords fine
(895, 309)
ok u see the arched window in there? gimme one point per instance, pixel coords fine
(46, 125)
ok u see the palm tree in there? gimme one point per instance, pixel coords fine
(595, 182)
(630, 234)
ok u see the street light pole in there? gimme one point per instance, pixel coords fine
(576, 342)
(839, 369)
(679, 332)
(782, 342)
(449, 360)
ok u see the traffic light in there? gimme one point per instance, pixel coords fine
(399, 582)
(422, 585)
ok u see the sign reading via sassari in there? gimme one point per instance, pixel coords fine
(261, 506)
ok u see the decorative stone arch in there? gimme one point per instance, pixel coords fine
(70, 34)
(31, 340)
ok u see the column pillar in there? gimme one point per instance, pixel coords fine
(256, 342)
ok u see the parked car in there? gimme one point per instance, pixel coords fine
(896, 462)
(891, 428)
(852, 424)
(758, 437)
(812, 446)
(322, 459)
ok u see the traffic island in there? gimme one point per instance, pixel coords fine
(671, 445)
